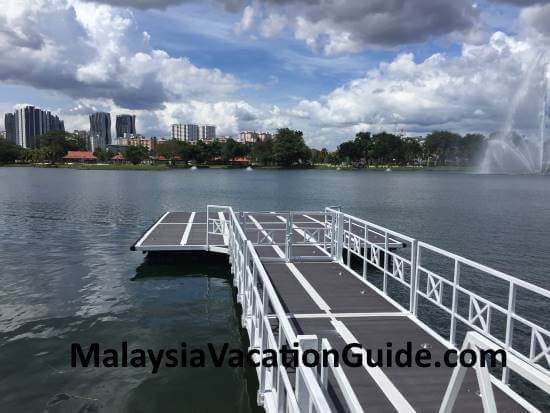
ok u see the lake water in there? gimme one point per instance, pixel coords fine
(67, 274)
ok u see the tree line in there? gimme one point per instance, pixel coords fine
(287, 148)
(437, 148)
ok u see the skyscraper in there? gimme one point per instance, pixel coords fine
(207, 133)
(9, 124)
(100, 129)
(31, 122)
(188, 132)
(125, 124)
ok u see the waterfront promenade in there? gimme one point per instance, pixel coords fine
(325, 279)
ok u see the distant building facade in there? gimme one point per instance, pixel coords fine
(188, 132)
(207, 133)
(81, 133)
(100, 130)
(125, 124)
(9, 124)
(265, 136)
(248, 137)
(130, 139)
(29, 123)
(117, 148)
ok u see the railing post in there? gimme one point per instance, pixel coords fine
(207, 221)
(289, 237)
(416, 279)
(281, 396)
(509, 327)
(454, 308)
(264, 343)
(386, 261)
(306, 342)
(340, 237)
(412, 292)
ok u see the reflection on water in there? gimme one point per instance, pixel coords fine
(68, 276)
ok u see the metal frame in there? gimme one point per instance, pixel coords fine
(476, 341)
(268, 327)
(481, 311)
(342, 237)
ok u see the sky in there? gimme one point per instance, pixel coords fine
(330, 68)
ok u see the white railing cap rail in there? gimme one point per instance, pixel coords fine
(371, 225)
(318, 397)
(491, 271)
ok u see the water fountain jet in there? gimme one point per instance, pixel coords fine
(511, 153)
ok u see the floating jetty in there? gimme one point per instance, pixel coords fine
(326, 279)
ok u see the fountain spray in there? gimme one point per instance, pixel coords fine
(543, 117)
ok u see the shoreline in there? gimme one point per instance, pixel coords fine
(163, 167)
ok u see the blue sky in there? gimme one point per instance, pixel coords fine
(329, 68)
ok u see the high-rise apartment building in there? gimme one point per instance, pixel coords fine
(248, 137)
(207, 133)
(100, 129)
(130, 139)
(9, 125)
(264, 136)
(31, 122)
(125, 124)
(188, 132)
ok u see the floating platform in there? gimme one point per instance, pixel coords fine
(326, 279)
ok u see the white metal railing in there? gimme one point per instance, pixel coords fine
(476, 341)
(477, 311)
(376, 247)
(269, 328)
(397, 257)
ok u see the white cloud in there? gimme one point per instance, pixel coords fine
(273, 25)
(536, 20)
(246, 20)
(470, 92)
(93, 51)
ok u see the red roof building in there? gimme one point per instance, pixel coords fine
(80, 156)
(118, 158)
(240, 160)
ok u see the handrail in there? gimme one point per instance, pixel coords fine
(411, 271)
(319, 400)
(476, 341)
(243, 253)
(496, 273)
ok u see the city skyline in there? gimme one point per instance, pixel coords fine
(27, 123)
(329, 71)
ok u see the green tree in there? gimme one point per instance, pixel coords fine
(136, 154)
(442, 145)
(472, 147)
(262, 152)
(412, 150)
(233, 149)
(348, 152)
(10, 152)
(171, 150)
(363, 144)
(103, 155)
(202, 152)
(387, 148)
(37, 155)
(289, 147)
(54, 145)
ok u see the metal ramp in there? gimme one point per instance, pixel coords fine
(324, 279)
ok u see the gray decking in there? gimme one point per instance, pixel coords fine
(176, 231)
(325, 299)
